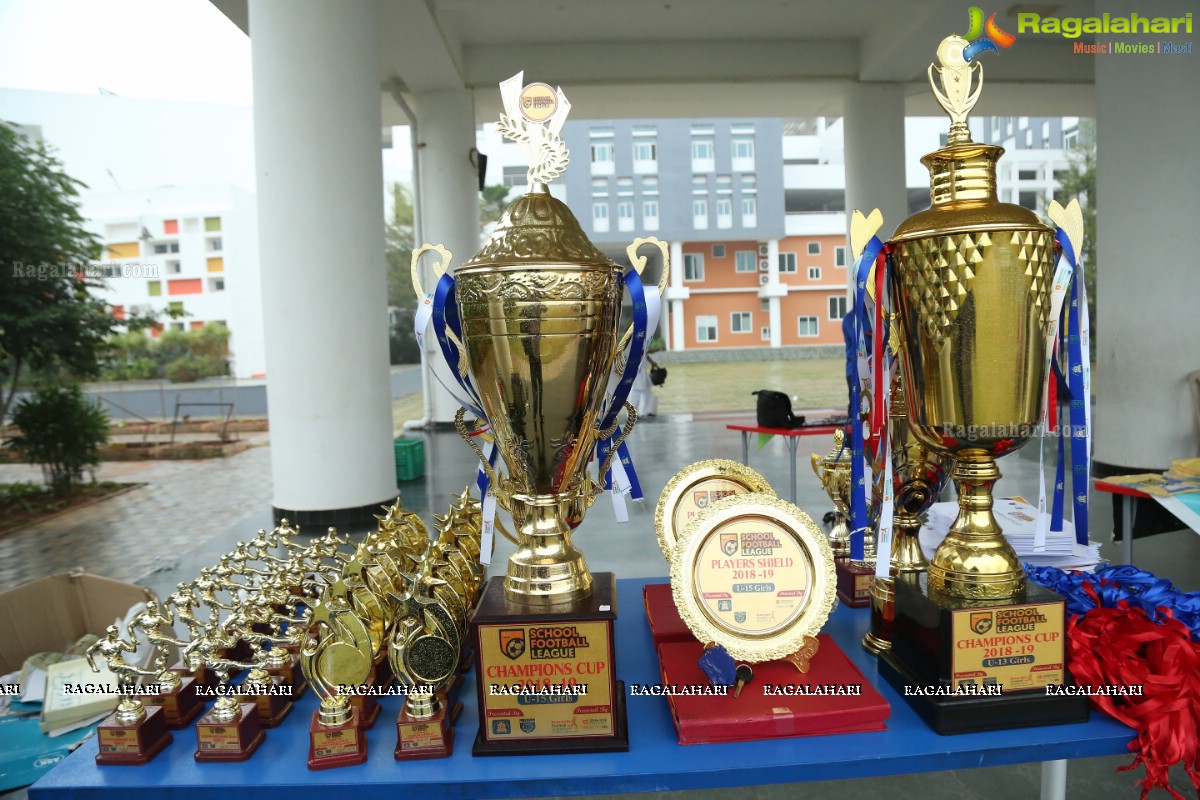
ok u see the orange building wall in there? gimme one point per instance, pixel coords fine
(723, 306)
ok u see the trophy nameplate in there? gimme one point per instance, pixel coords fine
(342, 744)
(755, 575)
(133, 743)
(567, 646)
(233, 740)
(854, 581)
(433, 737)
(181, 705)
(694, 488)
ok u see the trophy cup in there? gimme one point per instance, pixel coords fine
(426, 661)
(133, 734)
(532, 334)
(337, 652)
(853, 576)
(971, 280)
(176, 694)
(230, 731)
(918, 476)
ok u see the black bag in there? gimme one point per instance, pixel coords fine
(658, 375)
(775, 410)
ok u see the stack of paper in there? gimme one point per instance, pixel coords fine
(1182, 477)
(1018, 520)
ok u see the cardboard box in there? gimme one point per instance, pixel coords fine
(52, 613)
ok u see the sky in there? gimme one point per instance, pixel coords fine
(165, 49)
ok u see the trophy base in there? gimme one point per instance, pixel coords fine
(331, 746)
(366, 706)
(572, 642)
(1014, 648)
(134, 744)
(229, 741)
(180, 707)
(883, 616)
(426, 738)
(290, 675)
(272, 706)
(854, 582)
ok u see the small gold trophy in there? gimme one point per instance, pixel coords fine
(971, 284)
(177, 695)
(854, 576)
(337, 653)
(540, 307)
(133, 734)
(231, 730)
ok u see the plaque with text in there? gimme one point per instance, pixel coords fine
(695, 488)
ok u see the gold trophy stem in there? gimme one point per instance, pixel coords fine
(906, 545)
(335, 710)
(975, 561)
(130, 711)
(546, 568)
(422, 702)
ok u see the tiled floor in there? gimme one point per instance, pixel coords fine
(191, 512)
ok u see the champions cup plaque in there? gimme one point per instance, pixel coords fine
(971, 282)
(530, 326)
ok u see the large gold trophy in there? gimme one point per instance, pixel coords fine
(534, 333)
(971, 284)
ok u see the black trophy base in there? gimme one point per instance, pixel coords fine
(618, 742)
(948, 715)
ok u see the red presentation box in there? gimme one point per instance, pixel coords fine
(665, 623)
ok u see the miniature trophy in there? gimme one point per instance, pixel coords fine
(133, 734)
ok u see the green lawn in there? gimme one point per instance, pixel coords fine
(700, 388)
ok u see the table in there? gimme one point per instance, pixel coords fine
(1127, 497)
(792, 436)
(655, 761)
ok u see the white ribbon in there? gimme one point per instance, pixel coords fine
(1062, 280)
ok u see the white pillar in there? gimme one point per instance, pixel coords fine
(1147, 324)
(675, 295)
(321, 240)
(449, 207)
(774, 291)
(873, 141)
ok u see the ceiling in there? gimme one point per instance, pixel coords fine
(714, 58)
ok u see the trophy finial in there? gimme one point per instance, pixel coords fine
(956, 77)
(533, 118)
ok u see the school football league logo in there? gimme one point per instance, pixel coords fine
(512, 642)
(729, 543)
(981, 621)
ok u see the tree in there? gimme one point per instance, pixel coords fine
(50, 320)
(402, 296)
(492, 203)
(1079, 180)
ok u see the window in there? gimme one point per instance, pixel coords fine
(787, 262)
(814, 248)
(1029, 137)
(764, 304)
(177, 326)
(154, 288)
(645, 150)
(837, 307)
(700, 213)
(765, 334)
(1028, 199)
(175, 305)
(211, 225)
(602, 150)
(170, 226)
(693, 267)
(650, 214)
(718, 251)
(515, 176)
(174, 267)
(166, 247)
(600, 217)
(742, 145)
(807, 326)
(706, 328)
(749, 211)
(216, 284)
(744, 261)
(839, 256)
(741, 322)
(1071, 139)
(216, 264)
(814, 273)
(1027, 174)
(1046, 134)
(703, 151)
(214, 245)
(724, 212)
(625, 215)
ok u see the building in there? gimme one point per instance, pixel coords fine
(188, 249)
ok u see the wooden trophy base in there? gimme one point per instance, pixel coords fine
(229, 741)
(333, 746)
(291, 675)
(132, 745)
(180, 707)
(271, 705)
(980, 665)
(573, 641)
(426, 738)
(366, 707)
(854, 582)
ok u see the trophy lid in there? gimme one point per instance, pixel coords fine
(839, 453)
(537, 228)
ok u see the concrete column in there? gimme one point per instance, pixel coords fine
(675, 295)
(321, 241)
(774, 291)
(449, 207)
(1147, 327)
(874, 152)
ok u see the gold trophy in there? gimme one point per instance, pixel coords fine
(833, 470)
(133, 734)
(176, 694)
(971, 285)
(540, 308)
(918, 476)
(338, 652)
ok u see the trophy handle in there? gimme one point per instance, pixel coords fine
(630, 420)
(639, 262)
(461, 426)
(439, 267)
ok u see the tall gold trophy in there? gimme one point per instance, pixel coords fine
(971, 284)
(539, 309)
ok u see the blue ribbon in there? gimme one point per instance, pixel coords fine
(1077, 398)
(1123, 582)
(633, 362)
(857, 330)
(445, 317)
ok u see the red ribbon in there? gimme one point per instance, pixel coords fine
(1123, 647)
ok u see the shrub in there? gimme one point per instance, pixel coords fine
(62, 432)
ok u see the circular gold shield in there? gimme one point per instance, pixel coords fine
(754, 574)
(696, 487)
